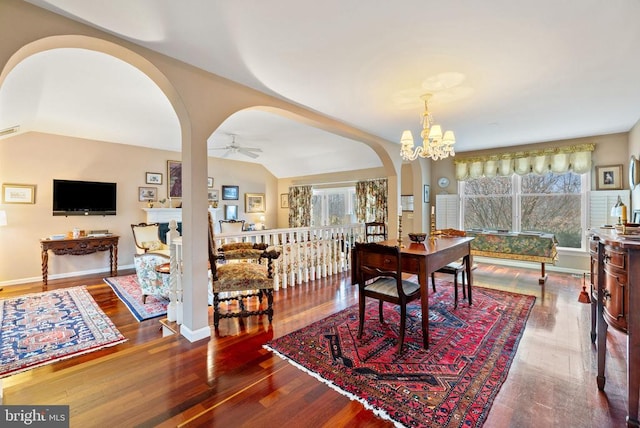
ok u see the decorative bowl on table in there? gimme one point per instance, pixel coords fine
(417, 237)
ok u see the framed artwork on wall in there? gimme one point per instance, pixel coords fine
(174, 179)
(609, 177)
(18, 193)
(209, 182)
(230, 193)
(254, 202)
(284, 200)
(147, 194)
(406, 201)
(425, 194)
(230, 212)
(153, 178)
(213, 195)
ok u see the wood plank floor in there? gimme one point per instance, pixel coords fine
(232, 381)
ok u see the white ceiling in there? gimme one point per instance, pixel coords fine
(503, 72)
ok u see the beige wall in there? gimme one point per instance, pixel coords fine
(35, 158)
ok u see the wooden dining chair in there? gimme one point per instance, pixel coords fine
(454, 268)
(380, 277)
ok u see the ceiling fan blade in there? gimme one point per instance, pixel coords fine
(252, 149)
(247, 153)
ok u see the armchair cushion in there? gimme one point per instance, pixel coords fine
(242, 277)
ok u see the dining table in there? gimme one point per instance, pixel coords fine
(424, 258)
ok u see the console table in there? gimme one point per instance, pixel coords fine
(616, 264)
(79, 247)
(531, 247)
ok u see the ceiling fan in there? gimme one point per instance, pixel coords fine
(232, 148)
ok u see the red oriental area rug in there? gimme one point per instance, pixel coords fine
(129, 292)
(42, 328)
(452, 384)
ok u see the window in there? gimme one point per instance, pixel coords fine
(551, 202)
(334, 206)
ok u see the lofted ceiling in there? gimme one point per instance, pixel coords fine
(503, 73)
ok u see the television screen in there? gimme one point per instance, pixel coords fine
(71, 197)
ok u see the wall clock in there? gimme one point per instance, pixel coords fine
(443, 182)
(634, 172)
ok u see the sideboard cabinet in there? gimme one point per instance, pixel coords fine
(615, 269)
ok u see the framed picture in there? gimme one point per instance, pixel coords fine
(230, 193)
(284, 200)
(230, 212)
(153, 178)
(254, 202)
(18, 193)
(425, 194)
(636, 216)
(147, 194)
(406, 201)
(609, 177)
(174, 179)
(214, 195)
(209, 182)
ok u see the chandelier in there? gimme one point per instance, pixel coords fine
(435, 145)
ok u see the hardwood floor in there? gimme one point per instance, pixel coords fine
(232, 381)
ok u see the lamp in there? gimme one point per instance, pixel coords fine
(435, 145)
(619, 210)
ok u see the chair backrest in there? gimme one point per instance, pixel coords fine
(231, 226)
(146, 236)
(376, 260)
(375, 231)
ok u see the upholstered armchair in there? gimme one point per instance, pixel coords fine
(147, 239)
(240, 281)
(152, 282)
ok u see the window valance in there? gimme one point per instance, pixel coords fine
(575, 158)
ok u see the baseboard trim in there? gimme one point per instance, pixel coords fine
(62, 275)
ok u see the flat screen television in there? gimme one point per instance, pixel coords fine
(72, 197)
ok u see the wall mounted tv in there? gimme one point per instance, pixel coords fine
(71, 197)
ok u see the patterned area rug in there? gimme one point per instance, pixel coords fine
(452, 384)
(129, 291)
(42, 328)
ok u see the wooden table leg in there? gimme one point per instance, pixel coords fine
(45, 268)
(543, 274)
(113, 260)
(424, 300)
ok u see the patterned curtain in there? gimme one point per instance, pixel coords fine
(300, 206)
(371, 200)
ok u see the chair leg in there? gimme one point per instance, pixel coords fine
(403, 322)
(216, 310)
(361, 309)
(269, 304)
(464, 283)
(433, 282)
(455, 290)
(380, 312)
(144, 299)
